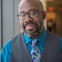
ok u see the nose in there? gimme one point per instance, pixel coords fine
(28, 18)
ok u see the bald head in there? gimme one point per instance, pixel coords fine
(34, 4)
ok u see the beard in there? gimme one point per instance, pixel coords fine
(33, 31)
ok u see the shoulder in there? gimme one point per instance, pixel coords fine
(61, 43)
(6, 51)
(6, 46)
(53, 36)
(17, 37)
(61, 39)
(53, 39)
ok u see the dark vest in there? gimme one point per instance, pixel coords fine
(51, 53)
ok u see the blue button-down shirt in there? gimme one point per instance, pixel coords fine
(6, 50)
(41, 40)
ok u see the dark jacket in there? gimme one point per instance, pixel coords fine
(51, 53)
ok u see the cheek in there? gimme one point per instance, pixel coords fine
(38, 21)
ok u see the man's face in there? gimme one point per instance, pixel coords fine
(31, 19)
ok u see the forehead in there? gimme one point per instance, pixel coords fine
(26, 6)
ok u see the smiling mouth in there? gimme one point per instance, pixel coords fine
(29, 27)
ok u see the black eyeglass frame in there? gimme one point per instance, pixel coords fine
(28, 13)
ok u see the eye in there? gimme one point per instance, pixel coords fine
(34, 13)
(22, 14)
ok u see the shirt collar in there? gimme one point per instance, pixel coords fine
(41, 37)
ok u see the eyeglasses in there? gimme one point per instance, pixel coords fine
(32, 13)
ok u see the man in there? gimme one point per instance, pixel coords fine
(35, 44)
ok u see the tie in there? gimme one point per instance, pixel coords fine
(35, 52)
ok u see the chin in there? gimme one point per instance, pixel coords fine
(33, 35)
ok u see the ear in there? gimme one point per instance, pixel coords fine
(44, 14)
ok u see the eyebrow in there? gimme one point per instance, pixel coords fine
(30, 10)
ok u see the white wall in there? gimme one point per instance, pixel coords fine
(17, 23)
(0, 25)
(9, 19)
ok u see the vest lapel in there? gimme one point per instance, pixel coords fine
(19, 50)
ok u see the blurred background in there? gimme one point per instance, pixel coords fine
(9, 23)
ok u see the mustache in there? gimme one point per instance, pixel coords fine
(34, 23)
(29, 23)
